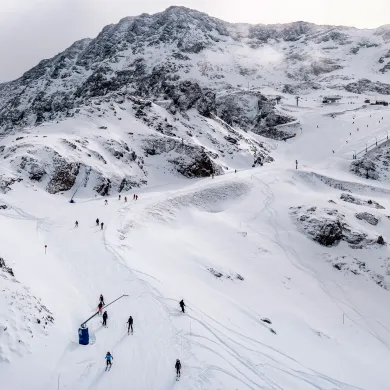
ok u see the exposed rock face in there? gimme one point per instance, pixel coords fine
(189, 160)
(328, 227)
(364, 86)
(251, 111)
(63, 177)
(370, 218)
(352, 199)
(4, 267)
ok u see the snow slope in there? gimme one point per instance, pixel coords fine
(229, 247)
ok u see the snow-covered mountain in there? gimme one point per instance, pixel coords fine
(269, 219)
(184, 52)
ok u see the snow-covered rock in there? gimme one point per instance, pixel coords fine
(368, 217)
(328, 227)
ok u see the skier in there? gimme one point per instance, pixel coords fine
(178, 368)
(125, 199)
(182, 305)
(119, 197)
(101, 226)
(105, 316)
(97, 221)
(101, 299)
(130, 326)
(106, 202)
(136, 197)
(296, 164)
(76, 225)
(109, 357)
(100, 307)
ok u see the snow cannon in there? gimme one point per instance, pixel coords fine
(83, 335)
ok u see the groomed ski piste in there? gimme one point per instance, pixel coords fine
(227, 246)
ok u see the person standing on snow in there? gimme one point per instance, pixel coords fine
(296, 164)
(109, 357)
(105, 316)
(106, 202)
(125, 199)
(76, 225)
(182, 305)
(130, 326)
(178, 368)
(119, 197)
(101, 299)
(134, 197)
(100, 307)
(101, 226)
(97, 221)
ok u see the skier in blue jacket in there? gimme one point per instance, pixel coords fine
(109, 357)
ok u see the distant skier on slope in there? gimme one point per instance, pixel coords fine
(130, 325)
(101, 299)
(101, 226)
(109, 357)
(97, 221)
(119, 197)
(182, 305)
(106, 202)
(100, 307)
(105, 316)
(178, 368)
(76, 225)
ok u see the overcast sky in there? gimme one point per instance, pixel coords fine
(31, 30)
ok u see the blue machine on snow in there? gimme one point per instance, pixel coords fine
(83, 335)
(83, 330)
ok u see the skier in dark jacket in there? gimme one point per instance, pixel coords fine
(101, 226)
(97, 221)
(105, 316)
(178, 368)
(101, 299)
(130, 326)
(76, 224)
(182, 305)
(109, 357)
(100, 307)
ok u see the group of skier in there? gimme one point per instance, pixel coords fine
(101, 223)
(109, 358)
(129, 323)
(135, 197)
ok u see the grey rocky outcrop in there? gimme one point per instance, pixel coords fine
(328, 227)
(361, 202)
(370, 218)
